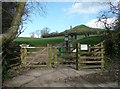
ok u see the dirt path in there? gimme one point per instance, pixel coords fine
(56, 77)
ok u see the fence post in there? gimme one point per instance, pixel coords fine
(102, 55)
(89, 48)
(79, 55)
(76, 56)
(23, 56)
(55, 56)
(49, 56)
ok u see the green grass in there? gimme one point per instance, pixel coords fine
(57, 40)
(39, 41)
(91, 40)
(84, 29)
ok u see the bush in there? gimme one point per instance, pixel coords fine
(10, 51)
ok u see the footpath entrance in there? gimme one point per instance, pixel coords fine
(71, 53)
(84, 56)
(77, 55)
(93, 57)
(38, 56)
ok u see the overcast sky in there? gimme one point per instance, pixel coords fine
(61, 15)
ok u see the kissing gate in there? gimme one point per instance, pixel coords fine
(70, 53)
(81, 55)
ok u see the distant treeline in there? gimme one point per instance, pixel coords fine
(86, 33)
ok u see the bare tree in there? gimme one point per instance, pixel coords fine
(11, 33)
(32, 34)
(38, 32)
(23, 11)
(112, 35)
(16, 27)
(45, 31)
(114, 11)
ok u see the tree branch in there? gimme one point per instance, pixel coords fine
(11, 33)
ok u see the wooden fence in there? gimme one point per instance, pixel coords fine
(93, 58)
(42, 56)
(47, 56)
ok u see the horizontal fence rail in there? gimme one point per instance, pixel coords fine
(93, 58)
(52, 56)
(42, 56)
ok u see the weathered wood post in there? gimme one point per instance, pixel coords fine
(76, 52)
(102, 55)
(76, 56)
(49, 56)
(23, 54)
(66, 41)
(55, 56)
(79, 54)
(89, 48)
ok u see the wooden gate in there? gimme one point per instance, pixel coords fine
(38, 56)
(48, 56)
(93, 58)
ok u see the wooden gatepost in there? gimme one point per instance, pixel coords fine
(52, 56)
(23, 54)
(93, 57)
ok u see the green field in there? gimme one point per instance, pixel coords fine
(91, 40)
(39, 41)
(56, 40)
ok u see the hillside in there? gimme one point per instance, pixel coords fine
(82, 29)
(56, 40)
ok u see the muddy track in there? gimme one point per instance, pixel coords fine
(62, 77)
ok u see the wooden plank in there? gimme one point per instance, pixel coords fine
(33, 62)
(14, 64)
(15, 58)
(96, 50)
(34, 47)
(87, 53)
(89, 57)
(43, 50)
(69, 61)
(99, 52)
(92, 52)
(91, 62)
(69, 52)
(37, 57)
(31, 52)
(16, 67)
(96, 47)
(95, 66)
(36, 65)
(98, 44)
(43, 54)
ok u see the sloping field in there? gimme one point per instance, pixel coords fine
(57, 40)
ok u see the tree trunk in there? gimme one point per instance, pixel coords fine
(13, 30)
